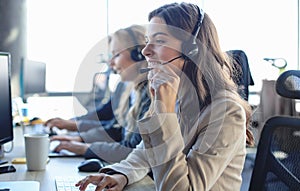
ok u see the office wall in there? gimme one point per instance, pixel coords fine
(13, 36)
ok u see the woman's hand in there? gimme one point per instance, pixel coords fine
(66, 138)
(61, 124)
(73, 146)
(115, 182)
(164, 84)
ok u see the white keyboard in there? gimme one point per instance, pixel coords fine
(68, 183)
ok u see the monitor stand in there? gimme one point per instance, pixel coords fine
(1, 151)
(2, 161)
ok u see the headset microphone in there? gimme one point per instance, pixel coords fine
(143, 70)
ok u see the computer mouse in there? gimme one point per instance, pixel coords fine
(90, 165)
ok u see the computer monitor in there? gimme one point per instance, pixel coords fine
(33, 78)
(6, 121)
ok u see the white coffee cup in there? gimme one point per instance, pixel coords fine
(36, 151)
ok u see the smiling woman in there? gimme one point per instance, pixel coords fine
(195, 132)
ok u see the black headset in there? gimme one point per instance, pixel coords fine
(190, 48)
(136, 53)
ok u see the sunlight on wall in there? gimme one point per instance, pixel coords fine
(262, 28)
(61, 33)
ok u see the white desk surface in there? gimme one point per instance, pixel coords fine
(66, 166)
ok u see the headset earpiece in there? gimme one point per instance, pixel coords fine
(136, 52)
(190, 48)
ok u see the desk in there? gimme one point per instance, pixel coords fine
(66, 166)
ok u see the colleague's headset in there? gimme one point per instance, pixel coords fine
(136, 53)
(189, 48)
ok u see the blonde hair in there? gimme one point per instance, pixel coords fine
(127, 40)
(129, 43)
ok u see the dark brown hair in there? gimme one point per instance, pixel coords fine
(211, 70)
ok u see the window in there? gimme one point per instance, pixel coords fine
(262, 28)
(61, 33)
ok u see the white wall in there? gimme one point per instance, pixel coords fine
(62, 32)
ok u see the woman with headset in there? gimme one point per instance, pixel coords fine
(125, 45)
(196, 130)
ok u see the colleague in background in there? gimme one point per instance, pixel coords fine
(125, 45)
(93, 118)
(101, 117)
(196, 130)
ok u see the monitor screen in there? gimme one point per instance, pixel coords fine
(6, 122)
(33, 78)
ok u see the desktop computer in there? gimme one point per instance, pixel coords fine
(6, 121)
(32, 78)
(6, 126)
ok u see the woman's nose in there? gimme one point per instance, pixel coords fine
(111, 63)
(147, 50)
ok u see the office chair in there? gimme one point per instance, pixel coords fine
(99, 94)
(243, 78)
(277, 162)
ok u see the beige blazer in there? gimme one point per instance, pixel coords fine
(191, 151)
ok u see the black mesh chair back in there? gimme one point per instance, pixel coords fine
(242, 77)
(277, 163)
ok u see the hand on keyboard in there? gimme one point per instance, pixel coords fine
(68, 183)
(54, 131)
(62, 152)
(53, 145)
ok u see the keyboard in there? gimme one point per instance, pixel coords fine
(68, 183)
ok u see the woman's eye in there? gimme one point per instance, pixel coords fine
(114, 56)
(159, 41)
(154, 41)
